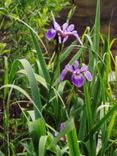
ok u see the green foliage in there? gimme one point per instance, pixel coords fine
(37, 129)
(36, 13)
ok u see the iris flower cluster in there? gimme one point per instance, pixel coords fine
(78, 75)
(62, 32)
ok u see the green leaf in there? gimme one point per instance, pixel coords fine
(73, 143)
(33, 85)
(6, 76)
(66, 53)
(97, 27)
(7, 3)
(69, 125)
(70, 131)
(88, 105)
(96, 38)
(29, 148)
(39, 78)
(37, 129)
(76, 56)
(111, 124)
(42, 145)
(2, 154)
(41, 59)
(32, 81)
(24, 93)
(82, 129)
(13, 71)
(102, 121)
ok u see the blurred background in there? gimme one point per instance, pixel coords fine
(85, 13)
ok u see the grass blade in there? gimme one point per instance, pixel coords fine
(66, 53)
(102, 121)
(42, 145)
(33, 84)
(73, 143)
(24, 93)
(32, 81)
(6, 77)
(40, 57)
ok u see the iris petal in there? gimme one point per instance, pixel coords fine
(59, 39)
(62, 126)
(75, 65)
(65, 25)
(77, 80)
(77, 71)
(63, 74)
(69, 68)
(77, 36)
(50, 34)
(88, 75)
(57, 26)
(84, 68)
(65, 39)
(70, 28)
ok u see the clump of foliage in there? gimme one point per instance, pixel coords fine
(15, 41)
(35, 13)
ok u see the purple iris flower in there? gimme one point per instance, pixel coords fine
(78, 75)
(63, 32)
(62, 125)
